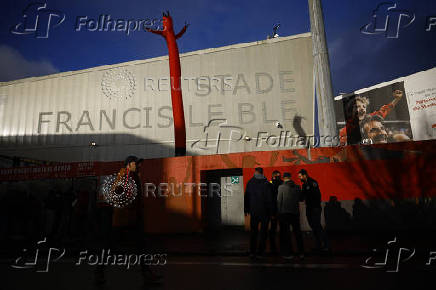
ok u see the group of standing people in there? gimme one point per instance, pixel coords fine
(276, 203)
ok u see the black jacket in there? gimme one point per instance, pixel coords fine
(257, 199)
(275, 190)
(311, 193)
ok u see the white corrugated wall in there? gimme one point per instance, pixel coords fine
(75, 93)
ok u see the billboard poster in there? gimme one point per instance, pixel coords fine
(421, 96)
(379, 115)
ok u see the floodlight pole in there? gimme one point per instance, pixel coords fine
(323, 82)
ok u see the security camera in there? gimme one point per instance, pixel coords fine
(247, 138)
(278, 125)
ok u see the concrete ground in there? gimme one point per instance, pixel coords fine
(220, 260)
(194, 272)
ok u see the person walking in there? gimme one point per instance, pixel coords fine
(130, 170)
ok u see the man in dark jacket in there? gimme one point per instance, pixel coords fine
(312, 196)
(288, 209)
(276, 181)
(258, 204)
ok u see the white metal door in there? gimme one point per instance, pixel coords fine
(232, 201)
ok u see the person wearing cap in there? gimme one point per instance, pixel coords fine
(312, 197)
(288, 210)
(258, 204)
(130, 169)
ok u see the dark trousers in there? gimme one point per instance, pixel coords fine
(104, 233)
(105, 236)
(314, 219)
(254, 231)
(273, 234)
(104, 224)
(141, 245)
(287, 220)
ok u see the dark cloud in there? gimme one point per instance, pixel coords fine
(15, 66)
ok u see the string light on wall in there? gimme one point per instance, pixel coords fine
(119, 191)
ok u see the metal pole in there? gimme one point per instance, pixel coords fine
(323, 82)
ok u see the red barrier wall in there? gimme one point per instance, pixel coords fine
(398, 170)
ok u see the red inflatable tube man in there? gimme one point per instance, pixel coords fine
(175, 76)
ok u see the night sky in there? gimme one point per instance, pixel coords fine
(357, 60)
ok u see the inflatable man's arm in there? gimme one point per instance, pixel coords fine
(159, 32)
(178, 35)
